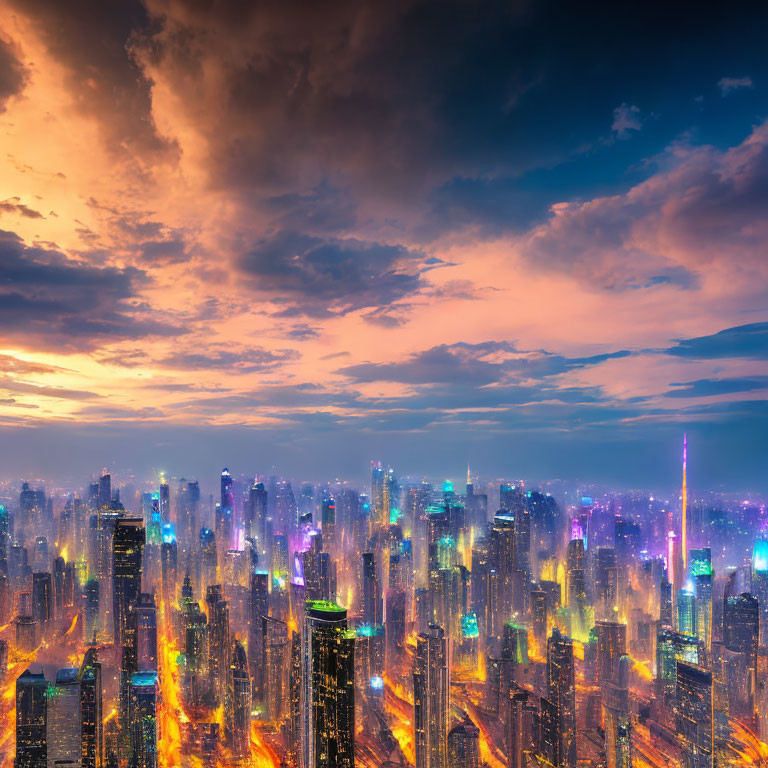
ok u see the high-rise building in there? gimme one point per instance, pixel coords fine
(328, 700)
(63, 729)
(464, 745)
(741, 632)
(91, 718)
(42, 602)
(431, 693)
(237, 720)
(561, 692)
(219, 641)
(31, 720)
(694, 715)
(143, 720)
(274, 667)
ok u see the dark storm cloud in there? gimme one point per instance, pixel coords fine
(13, 74)
(475, 364)
(323, 209)
(750, 341)
(714, 387)
(52, 301)
(90, 39)
(323, 276)
(244, 361)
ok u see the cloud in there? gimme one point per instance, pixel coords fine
(51, 301)
(626, 119)
(14, 205)
(704, 211)
(472, 364)
(716, 387)
(243, 361)
(103, 78)
(323, 276)
(13, 74)
(729, 84)
(743, 341)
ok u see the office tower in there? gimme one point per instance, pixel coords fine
(538, 603)
(479, 585)
(207, 559)
(42, 602)
(164, 501)
(611, 646)
(91, 717)
(31, 720)
(63, 730)
(127, 548)
(741, 631)
(328, 700)
(91, 610)
(522, 545)
(519, 730)
(226, 499)
(616, 717)
(372, 600)
(146, 633)
(672, 647)
(694, 715)
(395, 625)
(104, 497)
(26, 634)
(296, 712)
(219, 641)
(256, 515)
(606, 576)
(431, 694)
(686, 611)
(377, 494)
(328, 526)
(237, 720)
(258, 608)
(501, 581)
(274, 666)
(224, 531)
(143, 720)
(703, 610)
(464, 745)
(561, 693)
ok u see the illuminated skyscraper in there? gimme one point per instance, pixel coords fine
(219, 641)
(143, 720)
(91, 717)
(127, 548)
(684, 544)
(31, 720)
(464, 745)
(741, 632)
(237, 719)
(328, 700)
(694, 715)
(431, 694)
(561, 692)
(64, 736)
(146, 633)
(275, 667)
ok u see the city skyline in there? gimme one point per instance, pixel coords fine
(524, 236)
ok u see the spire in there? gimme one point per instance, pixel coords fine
(684, 542)
(469, 475)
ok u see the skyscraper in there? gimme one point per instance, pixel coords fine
(561, 692)
(63, 732)
(694, 716)
(430, 698)
(328, 700)
(464, 745)
(143, 720)
(237, 720)
(91, 718)
(31, 720)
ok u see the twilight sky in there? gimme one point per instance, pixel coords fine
(306, 234)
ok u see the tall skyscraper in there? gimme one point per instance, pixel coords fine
(91, 717)
(63, 732)
(431, 698)
(561, 692)
(127, 548)
(328, 700)
(694, 715)
(143, 720)
(237, 720)
(741, 632)
(31, 720)
(274, 665)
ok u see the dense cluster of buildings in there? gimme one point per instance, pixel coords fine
(400, 624)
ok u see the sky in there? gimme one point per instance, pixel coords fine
(532, 236)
